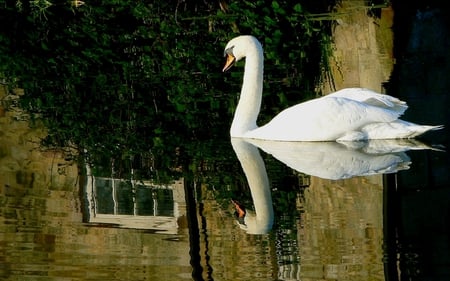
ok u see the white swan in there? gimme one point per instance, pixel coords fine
(347, 115)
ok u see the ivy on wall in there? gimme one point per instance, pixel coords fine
(132, 78)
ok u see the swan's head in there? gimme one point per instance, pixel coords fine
(238, 48)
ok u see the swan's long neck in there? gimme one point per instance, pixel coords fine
(255, 172)
(249, 104)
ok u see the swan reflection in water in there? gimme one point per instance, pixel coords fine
(327, 160)
(259, 222)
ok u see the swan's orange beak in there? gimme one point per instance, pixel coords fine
(230, 60)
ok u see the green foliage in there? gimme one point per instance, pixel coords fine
(141, 79)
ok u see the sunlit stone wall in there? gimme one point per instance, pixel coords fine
(362, 50)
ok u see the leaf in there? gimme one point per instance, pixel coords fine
(277, 8)
(275, 5)
(298, 8)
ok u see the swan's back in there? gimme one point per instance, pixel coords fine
(328, 118)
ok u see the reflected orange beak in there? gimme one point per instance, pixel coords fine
(240, 210)
(230, 60)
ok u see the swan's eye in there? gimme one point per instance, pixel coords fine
(228, 51)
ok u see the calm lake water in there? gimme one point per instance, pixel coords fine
(58, 223)
(365, 211)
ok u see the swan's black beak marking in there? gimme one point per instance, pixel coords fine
(230, 59)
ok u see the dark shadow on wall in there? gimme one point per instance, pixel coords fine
(422, 70)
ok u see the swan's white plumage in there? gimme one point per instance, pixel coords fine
(347, 115)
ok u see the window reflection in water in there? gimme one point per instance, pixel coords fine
(134, 204)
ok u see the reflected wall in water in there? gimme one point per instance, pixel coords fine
(338, 235)
(228, 252)
(342, 229)
(42, 236)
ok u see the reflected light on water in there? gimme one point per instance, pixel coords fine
(342, 229)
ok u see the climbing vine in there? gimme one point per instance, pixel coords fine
(141, 80)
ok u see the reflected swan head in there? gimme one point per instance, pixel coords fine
(249, 221)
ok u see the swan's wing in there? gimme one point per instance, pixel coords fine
(371, 98)
(326, 118)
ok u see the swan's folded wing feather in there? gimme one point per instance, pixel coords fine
(372, 98)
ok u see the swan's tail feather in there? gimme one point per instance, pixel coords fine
(398, 129)
(438, 127)
(421, 129)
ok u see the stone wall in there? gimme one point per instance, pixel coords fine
(362, 48)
